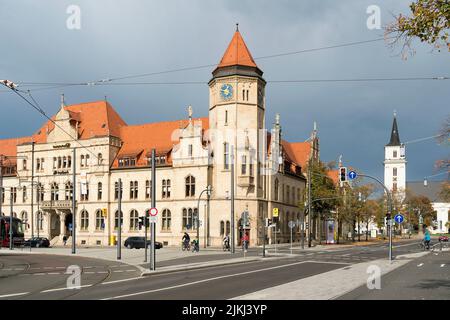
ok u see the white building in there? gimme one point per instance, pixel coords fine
(191, 155)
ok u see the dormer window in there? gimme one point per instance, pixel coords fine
(395, 153)
(127, 162)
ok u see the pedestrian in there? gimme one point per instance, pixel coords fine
(65, 239)
(245, 240)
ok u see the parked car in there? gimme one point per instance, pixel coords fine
(139, 243)
(37, 242)
(443, 238)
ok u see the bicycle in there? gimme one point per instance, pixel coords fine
(195, 247)
(423, 246)
(226, 246)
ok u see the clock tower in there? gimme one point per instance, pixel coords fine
(236, 117)
(395, 164)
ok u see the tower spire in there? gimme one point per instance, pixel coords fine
(395, 138)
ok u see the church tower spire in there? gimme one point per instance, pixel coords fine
(395, 163)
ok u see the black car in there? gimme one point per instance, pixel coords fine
(37, 242)
(139, 243)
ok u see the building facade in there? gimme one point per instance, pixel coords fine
(191, 154)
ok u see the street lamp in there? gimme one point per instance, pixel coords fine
(208, 194)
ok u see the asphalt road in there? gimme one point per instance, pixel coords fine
(42, 276)
(426, 278)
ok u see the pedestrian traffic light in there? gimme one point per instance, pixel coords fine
(141, 222)
(342, 174)
(268, 222)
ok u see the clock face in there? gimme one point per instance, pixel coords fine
(226, 91)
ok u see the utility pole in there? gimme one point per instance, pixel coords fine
(302, 229)
(233, 240)
(119, 222)
(38, 214)
(1, 183)
(11, 244)
(74, 190)
(32, 190)
(208, 194)
(309, 201)
(152, 225)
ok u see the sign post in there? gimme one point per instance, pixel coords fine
(153, 212)
(291, 226)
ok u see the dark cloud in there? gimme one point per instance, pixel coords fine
(122, 38)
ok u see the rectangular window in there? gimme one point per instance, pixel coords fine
(24, 163)
(394, 172)
(226, 117)
(244, 165)
(190, 150)
(148, 189)
(395, 154)
(99, 191)
(226, 156)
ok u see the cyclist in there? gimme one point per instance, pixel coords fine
(186, 239)
(195, 245)
(427, 239)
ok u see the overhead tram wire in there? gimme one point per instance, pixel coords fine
(39, 109)
(108, 80)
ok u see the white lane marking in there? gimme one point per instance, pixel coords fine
(13, 295)
(88, 267)
(61, 289)
(46, 268)
(7, 269)
(346, 255)
(123, 280)
(205, 280)
(118, 271)
(60, 267)
(53, 273)
(442, 265)
(419, 265)
(18, 269)
(35, 268)
(89, 272)
(130, 270)
(101, 272)
(39, 274)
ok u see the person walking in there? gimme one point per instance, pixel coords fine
(245, 240)
(427, 239)
(65, 239)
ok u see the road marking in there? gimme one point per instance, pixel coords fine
(346, 255)
(53, 273)
(7, 269)
(419, 265)
(118, 271)
(66, 288)
(88, 267)
(89, 272)
(18, 269)
(123, 280)
(329, 262)
(442, 265)
(102, 271)
(13, 295)
(45, 268)
(205, 280)
(39, 274)
(130, 270)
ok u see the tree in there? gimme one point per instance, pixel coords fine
(444, 193)
(417, 205)
(429, 22)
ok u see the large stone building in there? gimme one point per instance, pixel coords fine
(191, 154)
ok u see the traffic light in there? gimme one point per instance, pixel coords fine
(268, 222)
(343, 174)
(141, 222)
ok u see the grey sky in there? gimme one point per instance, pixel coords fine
(132, 37)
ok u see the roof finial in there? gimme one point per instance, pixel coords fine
(395, 113)
(237, 27)
(277, 119)
(62, 100)
(190, 112)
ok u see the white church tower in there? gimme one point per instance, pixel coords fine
(395, 164)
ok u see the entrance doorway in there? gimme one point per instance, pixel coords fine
(68, 224)
(55, 225)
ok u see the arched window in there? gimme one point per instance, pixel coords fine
(188, 218)
(222, 228)
(87, 160)
(116, 219)
(166, 220)
(24, 194)
(134, 220)
(54, 191)
(100, 158)
(190, 186)
(228, 230)
(116, 190)
(40, 192)
(277, 187)
(59, 163)
(99, 220)
(148, 189)
(40, 219)
(24, 217)
(14, 215)
(84, 216)
(99, 191)
(68, 192)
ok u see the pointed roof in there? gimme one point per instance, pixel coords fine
(237, 53)
(395, 138)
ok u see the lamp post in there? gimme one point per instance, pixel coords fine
(208, 193)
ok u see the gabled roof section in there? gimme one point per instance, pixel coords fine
(395, 138)
(237, 53)
(139, 140)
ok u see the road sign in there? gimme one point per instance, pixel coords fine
(104, 212)
(153, 219)
(275, 212)
(153, 212)
(398, 218)
(352, 175)
(70, 227)
(291, 224)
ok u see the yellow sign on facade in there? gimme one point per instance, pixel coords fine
(104, 213)
(275, 212)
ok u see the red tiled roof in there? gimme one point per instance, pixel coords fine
(139, 140)
(237, 53)
(298, 152)
(333, 175)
